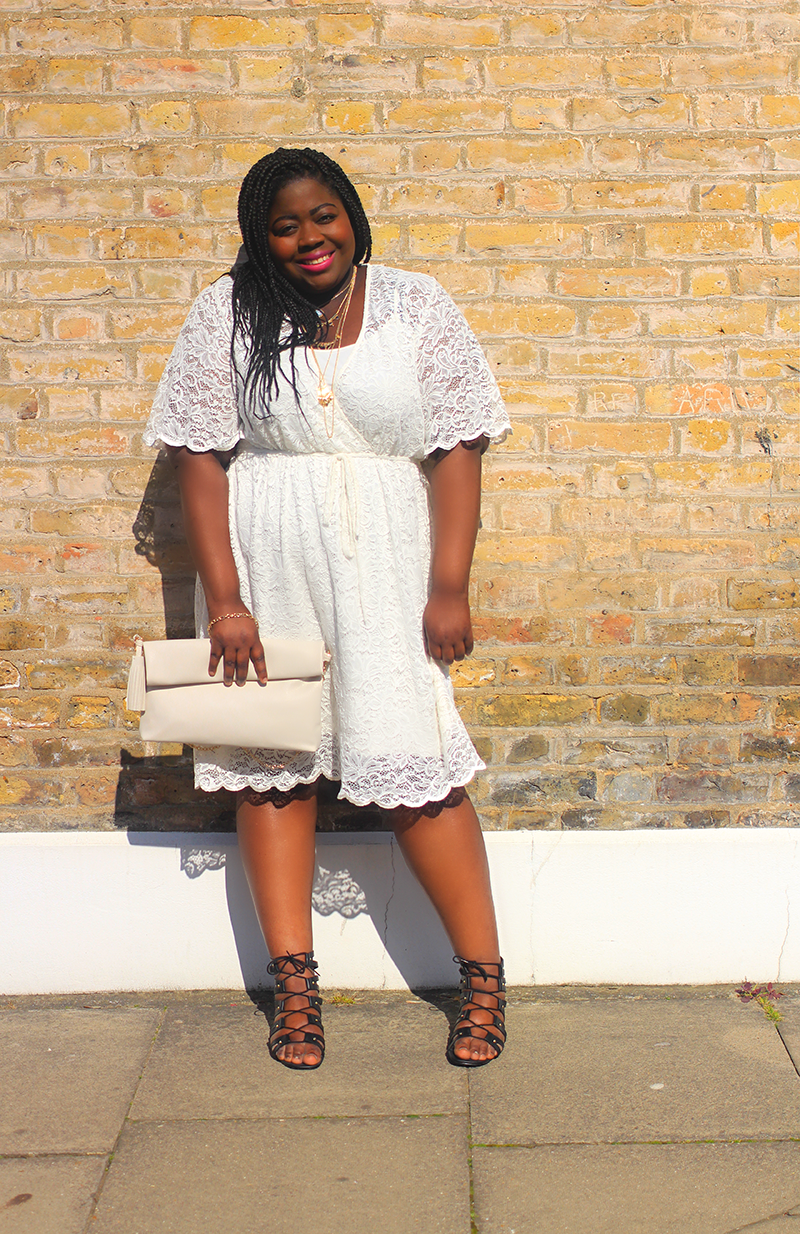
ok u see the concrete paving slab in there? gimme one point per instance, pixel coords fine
(788, 1008)
(380, 1059)
(401, 1176)
(636, 1189)
(48, 1195)
(68, 1076)
(637, 1071)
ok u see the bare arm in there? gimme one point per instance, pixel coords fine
(455, 488)
(203, 484)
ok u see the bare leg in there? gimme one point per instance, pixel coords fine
(277, 845)
(444, 848)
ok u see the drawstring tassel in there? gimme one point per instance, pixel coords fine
(137, 680)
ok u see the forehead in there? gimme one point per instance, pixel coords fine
(302, 196)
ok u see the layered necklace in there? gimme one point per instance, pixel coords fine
(325, 396)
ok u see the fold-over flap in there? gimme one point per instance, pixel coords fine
(184, 661)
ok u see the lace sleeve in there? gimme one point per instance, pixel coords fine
(460, 395)
(195, 403)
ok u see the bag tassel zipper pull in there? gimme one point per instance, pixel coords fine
(137, 679)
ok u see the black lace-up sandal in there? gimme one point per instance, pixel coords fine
(300, 1024)
(494, 1032)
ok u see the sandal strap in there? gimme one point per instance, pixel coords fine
(494, 1031)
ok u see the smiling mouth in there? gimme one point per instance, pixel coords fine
(316, 263)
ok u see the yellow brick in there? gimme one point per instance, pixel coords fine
(166, 203)
(162, 160)
(544, 551)
(16, 160)
(723, 197)
(711, 281)
(450, 73)
(69, 120)
(540, 195)
(537, 154)
(786, 153)
(20, 325)
(81, 483)
(83, 75)
(346, 29)
(498, 318)
(704, 237)
(367, 72)
(90, 712)
(631, 195)
(709, 363)
(18, 403)
(615, 361)
(22, 78)
(74, 327)
(723, 111)
(151, 359)
(267, 74)
(616, 154)
(732, 70)
(718, 29)
(660, 111)
(611, 398)
(220, 201)
(429, 239)
(169, 116)
(434, 156)
(438, 115)
(158, 322)
(787, 319)
(64, 240)
(785, 238)
(72, 284)
(535, 31)
(678, 476)
(707, 153)
(767, 361)
(782, 197)
(90, 440)
(413, 30)
(560, 239)
(425, 197)
(626, 29)
(635, 72)
(154, 242)
(613, 321)
(707, 436)
(701, 320)
(597, 437)
(542, 72)
(779, 111)
(537, 112)
(64, 34)
(232, 32)
(523, 279)
(256, 117)
(77, 202)
(66, 364)
(156, 32)
(350, 118)
(618, 282)
(69, 160)
(140, 76)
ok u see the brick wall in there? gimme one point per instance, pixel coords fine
(611, 192)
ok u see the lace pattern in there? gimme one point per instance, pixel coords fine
(331, 534)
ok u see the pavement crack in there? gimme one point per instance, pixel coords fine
(788, 918)
(389, 899)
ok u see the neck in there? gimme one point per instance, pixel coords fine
(327, 298)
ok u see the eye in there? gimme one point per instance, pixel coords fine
(325, 218)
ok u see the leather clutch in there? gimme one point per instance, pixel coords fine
(169, 684)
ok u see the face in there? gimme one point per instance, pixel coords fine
(311, 239)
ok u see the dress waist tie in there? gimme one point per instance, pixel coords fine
(342, 491)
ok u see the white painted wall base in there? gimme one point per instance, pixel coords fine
(105, 911)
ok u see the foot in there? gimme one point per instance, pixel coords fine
(297, 1039)
(478, 1035)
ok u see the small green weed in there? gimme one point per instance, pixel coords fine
(340, 1000)
(749, 992)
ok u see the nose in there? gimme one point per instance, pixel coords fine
(310, 236)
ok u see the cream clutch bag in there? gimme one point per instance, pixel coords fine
(169, 684)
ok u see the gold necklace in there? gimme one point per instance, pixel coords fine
(329, 321)
(325, 396)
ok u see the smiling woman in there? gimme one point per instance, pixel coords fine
(355, 403)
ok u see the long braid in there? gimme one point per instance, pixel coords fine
(269, 314)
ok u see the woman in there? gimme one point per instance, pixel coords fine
(357, 403)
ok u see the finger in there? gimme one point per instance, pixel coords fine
(259, 662)
(214, 658)
(230, 666)
(469, 644)
(242, 665)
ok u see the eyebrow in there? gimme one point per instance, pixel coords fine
(323, 205)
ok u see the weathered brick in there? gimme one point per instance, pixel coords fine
(69, 119)
(143, 76)
(770, 670)
(706, 154)
(527, 710)
(90, 711)
(66, 34)
(537, 154)
(706, 751)
(233, 32)
(708, 709)
(661, 111)
(758, 748)
(255, 117)
(412, 29)
(705, 237)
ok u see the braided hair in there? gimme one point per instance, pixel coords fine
(269, 314)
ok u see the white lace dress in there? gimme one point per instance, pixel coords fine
(330, 527)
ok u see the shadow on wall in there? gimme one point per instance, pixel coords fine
(350, 881)
(155, 792)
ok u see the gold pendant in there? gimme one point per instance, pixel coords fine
(324, 395)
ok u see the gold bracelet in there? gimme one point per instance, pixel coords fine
(228, 617)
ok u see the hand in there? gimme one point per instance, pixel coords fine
(447, 626)
(235, 641)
